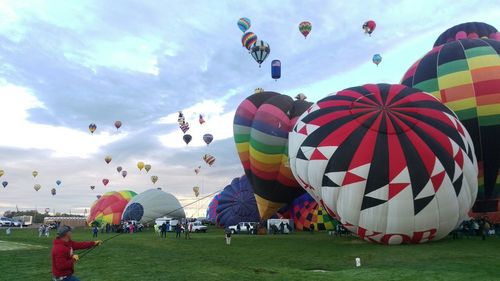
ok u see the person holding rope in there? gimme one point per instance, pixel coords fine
(63, 258)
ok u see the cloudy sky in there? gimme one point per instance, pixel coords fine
(66, 64)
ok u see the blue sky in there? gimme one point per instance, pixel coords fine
(66, 64)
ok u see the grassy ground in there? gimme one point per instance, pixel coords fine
(282, 257)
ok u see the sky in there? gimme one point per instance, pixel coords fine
(66, 64)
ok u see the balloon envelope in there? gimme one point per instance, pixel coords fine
(154, 179)
(58, 182)
(92, 128)
(237, 203)
(140, 165)
(4, 184)
(248, 39)
(305, 211)
(118, 124)
(124, 173)
(119, 169)
(470, 30)
(1, 173)
(109, 207)
(244, 24)
(305, 28)
(53, 191)
(208, 138)
(187, 138)
(108, 159)
(276, 69)
(105, 182)
(34, 174)
(212, 209)
(147, 167)
(259, 51)
(152, 204)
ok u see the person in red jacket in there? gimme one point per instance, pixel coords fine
(63, 258)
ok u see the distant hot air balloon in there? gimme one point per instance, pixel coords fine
(92, 128)
(92, 187)
(98, 197)
(147, 167)
(37, 187)
(5, 184)
(276, 69)
(108, 159)
(119, 169)
(181, 119)
(53, 191)
(124, 173)
(34, 174)
(187, 138)
(305, 28)
(118, 124)
(58, 182)
(184, 127)
(369, 27)
(209, 159)
(377, 58)
(140, 165)
(154, 179)
(105, 182)
(201, 120)
(1, 173)
(260, 50)
(208, 138)
(196, 191)
(248, 39)
(244, 24)
(197, 170)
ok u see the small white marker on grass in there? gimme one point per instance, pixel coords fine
(358, 262)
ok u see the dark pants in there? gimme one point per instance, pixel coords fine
(164, 234)
(178, 234)
(95, 234)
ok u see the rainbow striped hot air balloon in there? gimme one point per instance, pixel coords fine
(248, 39)
(244, 24)
(109, 208)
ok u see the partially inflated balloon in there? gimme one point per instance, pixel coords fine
(58, 182)
(92, 128)
(261, 126)
(37, 187)
(244, 24)
(305, 28)
(140, 165)
(108, 159)
(260, 50)
(212, 209)
(187, 138)
(34, 174)
(109, 207)
(237, 204)
(105, 182)
(4, 183)
(147, 167)
(208, 138)
(118, 124)
(124, 174)
(392, 163)
(154, 179)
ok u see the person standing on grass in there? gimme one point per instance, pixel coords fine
(163, 229)
(47, 231)
(486, 228)
(228, 236)
(95, 230)
(63, 258)
(187, 229)
(178, 230)
(8, 231)
(40, 230)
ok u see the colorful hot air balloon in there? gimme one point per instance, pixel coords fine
(369, 27)
(377, 58)
(212, 209)
(465, 76)
(181, 119)
(208, 138)
(196, 191)
(305, 211)
(34, 174)
(237, 203)
(119, 169)
(244, 24)
(5, 183)
(197, 170)
(260, 51)
(92, 187)
(92, 128)
(187, 138)
(248, 39)
(140, 165)
(109, 207)
(108, 159)
(1, 173)
(471, 30)
(276, 69)
(147, 167)
(58, 182)
(184, 127)
(201, 119)
(305, 28)
(105, 182)
(118, 124)
(154, 179)
(261, 126)
(124, 174)
(53, 191)
(151, 204)
(392, 163)
(37, 187)
(209, 159)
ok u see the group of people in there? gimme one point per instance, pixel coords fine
(44, 230)
(162, 229)
(283, 228)
(477, 227)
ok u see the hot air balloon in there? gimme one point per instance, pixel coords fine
(197, 170)
(248, 39)
(34, 174)
(152, 204)
(98, 196)
(244, 24)
(212, 209)
(187, 138)
(58, 182)
(465, 76)
(108, 159)
(377, 58)
(105, 182)
(4, 183)
(147, 167)
(276, 69)
(92, 128)
(258, 90)
(118, 124)
(237, 203)
(37, 187)
(471, 30)
(1, 173)
(208, 138)
(181, 119)
(209, 159)
(92, 187)
(154, 179)
(201, 120)
(305, 211)
(53, 191)
(184, 127)
(392, 163)
(196, 191)
(140, 165)
(119, 169)
(260, 51)
(261, 126)
(305, 28)
(369, 27)
(124, 174)
(109, 207)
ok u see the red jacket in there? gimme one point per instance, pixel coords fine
(62, 256)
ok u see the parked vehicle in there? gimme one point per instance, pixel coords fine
(25, 220)
(172, 222)
(5, 221)
(244, 227)
(198, 227)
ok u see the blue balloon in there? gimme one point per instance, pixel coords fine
(58, 182)
(276, 69)
(237, 203)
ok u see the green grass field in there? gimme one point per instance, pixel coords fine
(282, 257)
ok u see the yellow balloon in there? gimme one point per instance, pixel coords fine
(140, 165)
(1, 173)
(35, 173)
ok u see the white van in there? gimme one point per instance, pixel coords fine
(172, 222)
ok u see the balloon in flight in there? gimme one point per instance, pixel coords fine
(147, 167)
(248, 39)
(260, 50)
(105, 182)
(305, 28)
(92, 128)
(208, 138)
(369, 27)
(244, 24)
(5, 183)
(37, 187)
(377, 58)
(154, 179)
(34, 174)
(119, 169)
(118, 124)
(58, 182)
(187, 138)
(124, 174)
(209, 159)
(140, 165)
